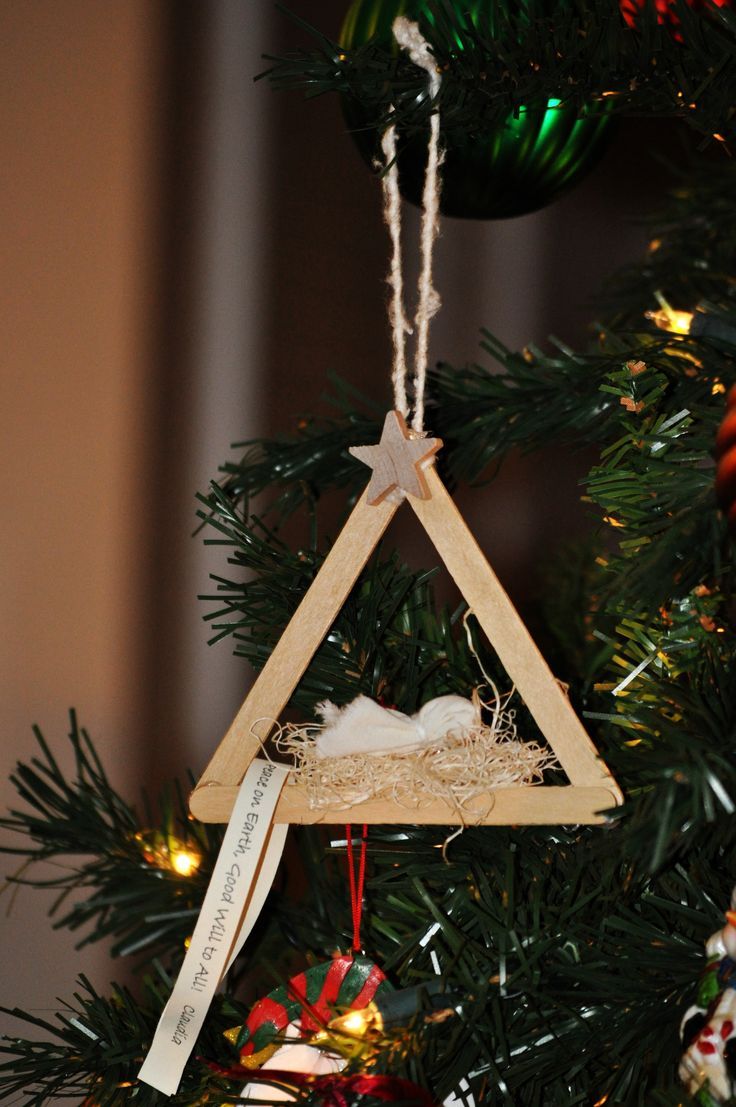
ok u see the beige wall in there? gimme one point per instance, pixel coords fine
(78, 115)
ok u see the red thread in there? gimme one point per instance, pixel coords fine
(357, 882)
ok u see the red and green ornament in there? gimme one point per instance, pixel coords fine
(514, 166)
(312, 998)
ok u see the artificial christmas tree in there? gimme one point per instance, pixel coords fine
(568, 956)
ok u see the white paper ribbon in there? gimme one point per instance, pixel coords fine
(242, 877)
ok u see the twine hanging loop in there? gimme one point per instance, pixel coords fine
(410, 38)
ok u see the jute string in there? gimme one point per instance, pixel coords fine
(410, 38)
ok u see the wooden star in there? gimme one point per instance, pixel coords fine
(397, 460)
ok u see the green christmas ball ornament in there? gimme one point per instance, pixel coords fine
(514, 166)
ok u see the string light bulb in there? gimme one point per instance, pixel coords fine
(668, 319)
(702, 323)
(359, 1023)
(166, 851)
(352, 1033)
(184, 860)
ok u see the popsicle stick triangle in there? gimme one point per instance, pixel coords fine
(592, 788)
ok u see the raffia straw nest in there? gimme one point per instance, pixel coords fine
(457, 769)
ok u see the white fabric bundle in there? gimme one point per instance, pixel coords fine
(295, 1055)
(447, 750)
(363, 726)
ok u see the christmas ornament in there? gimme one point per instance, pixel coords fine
(514, 166)
(244, 787)
(726, 461)
(308, 1002)
(592, 788)
(403, 470)
(708, 1029)
(317, 1020)
(350, 1034)
(666, 10)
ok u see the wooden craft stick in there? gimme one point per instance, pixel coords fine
(295, 649)
(506, 632)
(536, 805)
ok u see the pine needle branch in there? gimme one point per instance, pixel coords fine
(132, 897)
(95, 1049)
(505, 60)
(390, 640)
